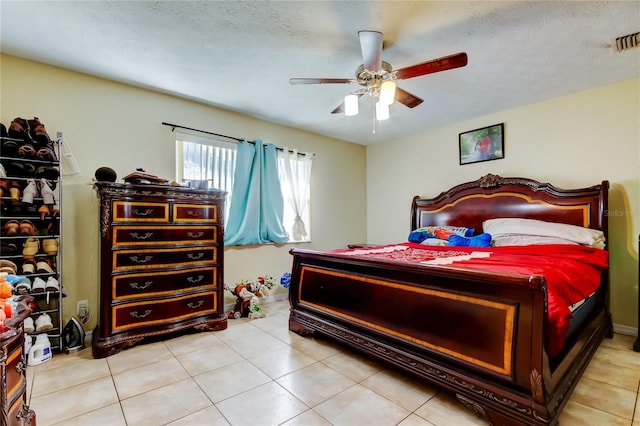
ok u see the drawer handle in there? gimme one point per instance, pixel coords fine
(135, 314)
(195, 256)
(138, 260)
(146, 212)
(195, 305)
(193, 235)
(141, 237)
(21, 367)
(195, 280)
(194, 213)
(141, 286)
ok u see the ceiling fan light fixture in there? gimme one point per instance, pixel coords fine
(382, 111)
(387, 92)
(351, 105)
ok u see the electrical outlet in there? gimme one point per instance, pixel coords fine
(83, 308)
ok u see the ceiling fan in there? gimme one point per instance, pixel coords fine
(378, 77)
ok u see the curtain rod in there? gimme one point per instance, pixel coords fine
(177, 126)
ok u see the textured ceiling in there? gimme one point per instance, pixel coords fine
(240, 55)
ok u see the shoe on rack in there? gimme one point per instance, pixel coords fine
(11, 228)
(46, 153)
(26, 150)
(52, 284)
(23, 286)
(50, 246)
(19, 129)
(14, 192)
(28, 325)
(8, 266)
(31, 248)
(47, 172)
(29, 192)
(43, 266)
(46, 192)
(29, 266)
(38, 132)
(39, 286)
(8, 249)
(27, 228)
(43, 323)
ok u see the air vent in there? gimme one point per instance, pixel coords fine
(628, 41)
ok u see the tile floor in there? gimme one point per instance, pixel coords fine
(258, 373)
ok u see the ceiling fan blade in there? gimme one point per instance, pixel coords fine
(371, 45)
(321, 80)
(407, 98)
(441, 64)
(340, 108)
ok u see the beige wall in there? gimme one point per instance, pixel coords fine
(570, 141)
(110, 124)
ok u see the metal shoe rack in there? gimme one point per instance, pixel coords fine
(19, 169)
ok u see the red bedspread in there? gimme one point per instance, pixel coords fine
(572, 272)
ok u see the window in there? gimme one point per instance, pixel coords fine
(210, 163)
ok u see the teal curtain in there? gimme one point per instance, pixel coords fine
(257, 206)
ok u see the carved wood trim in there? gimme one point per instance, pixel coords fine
(537, 386)
(431, 372)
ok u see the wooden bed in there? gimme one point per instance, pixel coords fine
(506, 377)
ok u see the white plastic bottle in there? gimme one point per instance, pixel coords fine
(40, 351)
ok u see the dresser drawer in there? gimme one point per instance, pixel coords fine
(130, 286)
(195, 213)
(156, 258)
(144, 314)
(138, 211)
(148, 235)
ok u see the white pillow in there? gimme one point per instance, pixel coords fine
(528, 240)
(510, 226)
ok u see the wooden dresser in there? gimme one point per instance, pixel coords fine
(13, 366)
(161, 263)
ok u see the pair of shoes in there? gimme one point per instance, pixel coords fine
(28, 325)
(50, 246)
(43, 323)
(47, 172)
(8, 249)
(8, 266)
(30, 248)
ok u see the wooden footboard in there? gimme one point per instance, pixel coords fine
(439, 324)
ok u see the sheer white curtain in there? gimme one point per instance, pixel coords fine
(202, 159)
(295, 176)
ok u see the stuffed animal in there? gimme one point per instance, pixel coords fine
(256, 310)
(242, 307)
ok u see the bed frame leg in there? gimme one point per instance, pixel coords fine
(300, 329)
(492, 417)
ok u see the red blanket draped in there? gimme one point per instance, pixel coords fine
(572, 272)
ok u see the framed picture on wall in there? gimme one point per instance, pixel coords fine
(484, 144)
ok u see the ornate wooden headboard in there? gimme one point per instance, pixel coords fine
(469, 204)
